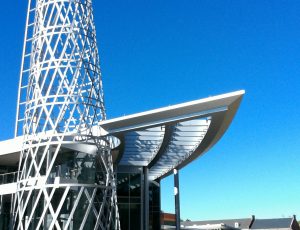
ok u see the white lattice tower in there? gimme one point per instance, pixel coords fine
(64, 103)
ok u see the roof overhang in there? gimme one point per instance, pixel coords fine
(161, 139)
(173, 136)
(173, 114)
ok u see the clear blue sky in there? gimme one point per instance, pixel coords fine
(157, 53)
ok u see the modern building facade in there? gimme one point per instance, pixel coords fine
(68, 166)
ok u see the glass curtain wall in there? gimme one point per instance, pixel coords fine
(154, 205)
(130, 201)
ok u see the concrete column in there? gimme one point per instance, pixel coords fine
(176, 196)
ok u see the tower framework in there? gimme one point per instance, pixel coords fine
(66, 178)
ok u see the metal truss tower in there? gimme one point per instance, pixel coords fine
(66, 178)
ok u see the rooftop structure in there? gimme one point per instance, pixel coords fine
(247, 223)
(289, 223)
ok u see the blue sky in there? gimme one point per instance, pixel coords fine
(158, 53)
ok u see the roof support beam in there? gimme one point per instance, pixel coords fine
(167, 138)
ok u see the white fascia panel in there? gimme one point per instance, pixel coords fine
(8, 189)
(188, 110)
(11, 146)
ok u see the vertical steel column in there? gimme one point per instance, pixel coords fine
(146, 198)
(12, 199)
(160, 219)
(142, 199)
(1, 204)
(176, 196)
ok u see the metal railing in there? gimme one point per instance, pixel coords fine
(7, 178)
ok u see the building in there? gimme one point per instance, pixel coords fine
(247, 223)
(68, 166)
(279, 223)
(167, 220)
(144, 157)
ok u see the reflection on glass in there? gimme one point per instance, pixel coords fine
(129, 202)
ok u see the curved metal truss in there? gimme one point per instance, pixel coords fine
(62, 187)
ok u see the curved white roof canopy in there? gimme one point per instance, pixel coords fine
(162, 139)
(173, 136)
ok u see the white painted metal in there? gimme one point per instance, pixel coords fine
(64, 103)
(181, 146)
(25, 68)
(215, 105)
(175, 113)
(142, 146)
